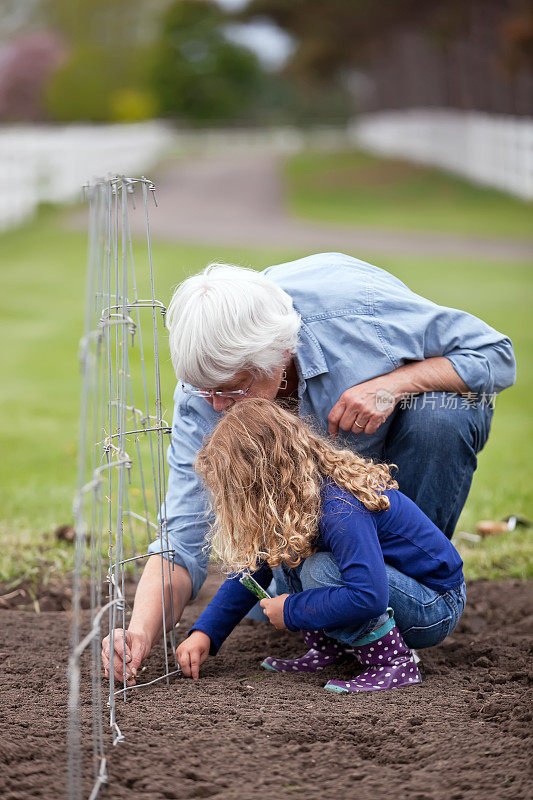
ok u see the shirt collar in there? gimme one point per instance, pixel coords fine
(311, 359)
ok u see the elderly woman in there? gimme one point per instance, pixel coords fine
(342, 342)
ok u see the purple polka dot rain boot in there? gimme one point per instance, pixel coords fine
(389, 662)
(323, 651)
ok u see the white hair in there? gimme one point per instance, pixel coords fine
(226, 319)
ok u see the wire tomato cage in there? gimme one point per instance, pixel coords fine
(119, 506)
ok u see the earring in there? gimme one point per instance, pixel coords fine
(283, 384)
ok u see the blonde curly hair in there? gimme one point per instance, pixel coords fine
(264, 468)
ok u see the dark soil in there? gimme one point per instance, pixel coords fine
(463, 733)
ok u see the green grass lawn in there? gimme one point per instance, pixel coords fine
(42, 308)
(360, 189)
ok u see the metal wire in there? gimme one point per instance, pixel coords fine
(121, 453)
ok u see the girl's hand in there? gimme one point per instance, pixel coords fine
(273, 608)
(192, 653)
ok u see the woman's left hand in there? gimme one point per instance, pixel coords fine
(363, 408)
(273, 608)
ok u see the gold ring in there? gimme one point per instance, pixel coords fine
(359, 426)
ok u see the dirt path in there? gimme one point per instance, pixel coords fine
(238, 200)
(461, 735)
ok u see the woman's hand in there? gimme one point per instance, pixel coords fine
(192, 653)
(137, 648)
(273, 608)
(363, 408)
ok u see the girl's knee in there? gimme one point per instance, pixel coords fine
(420, 637)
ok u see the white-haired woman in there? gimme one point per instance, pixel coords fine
(347, 344)
(235, 330)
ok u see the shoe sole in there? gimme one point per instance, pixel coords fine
(336, 689)
(340, 690)
(269, 666)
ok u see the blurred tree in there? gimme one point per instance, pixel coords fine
(128, 58)
(335, 35)
(132, 105)
(462, 53)
(107, 74)
(93, 85)
(106, 23)
(198, 74)
(81, 90)
(27, 64)
(517, 36)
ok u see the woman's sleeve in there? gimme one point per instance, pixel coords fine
(350, 533)
(413, 328)
(228, 607)
(183, 513)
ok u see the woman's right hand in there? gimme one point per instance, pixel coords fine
(137, 649)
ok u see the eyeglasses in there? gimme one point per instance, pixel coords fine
(211, 393)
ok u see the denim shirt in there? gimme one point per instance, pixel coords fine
(357, 322)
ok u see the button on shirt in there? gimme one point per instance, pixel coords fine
(361, 542)
(357, 322)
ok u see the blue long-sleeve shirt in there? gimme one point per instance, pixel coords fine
(361, 542)
(357, 322)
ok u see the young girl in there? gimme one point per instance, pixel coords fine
(361, 569)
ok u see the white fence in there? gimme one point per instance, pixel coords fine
(51, 164)
(485, 148)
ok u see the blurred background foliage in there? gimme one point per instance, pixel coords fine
(197, 73)
(457, 53)
(190, 61)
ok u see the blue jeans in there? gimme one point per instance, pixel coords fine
(435, 447)
(425, 617)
